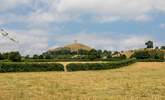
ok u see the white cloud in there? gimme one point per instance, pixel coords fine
(104, 41)
(30, 42)
(47, 11)
(111, 10)
(10, 4)
(99, 10)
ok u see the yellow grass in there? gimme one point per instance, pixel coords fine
(140, 81)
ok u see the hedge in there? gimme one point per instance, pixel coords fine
(99, 66)
(150, 60)
(29, 67)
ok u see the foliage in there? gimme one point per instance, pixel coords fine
(163, 47)
(65, 53)
(1, 57)
(149, 44)
(99, 66)
(149, 54)
(35, 56)
(15, 56)
(29, 67)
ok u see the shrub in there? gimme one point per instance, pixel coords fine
(149, 54)
(15, 56)
(98, 66)
(1, 57)
(30, 67)
(150, 60)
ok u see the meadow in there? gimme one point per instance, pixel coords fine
(140, 81)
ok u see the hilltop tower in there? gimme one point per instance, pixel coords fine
(75, 41)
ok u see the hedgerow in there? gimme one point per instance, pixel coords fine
(99, 66)
(29, 67)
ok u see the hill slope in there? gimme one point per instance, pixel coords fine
(73, 47)
(78, 46)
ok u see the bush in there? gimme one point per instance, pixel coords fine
(150, 60)
(30, 67)
(148, 54)
(15, 56)
(98, 66)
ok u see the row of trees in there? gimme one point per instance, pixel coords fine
(80, 54)
(13, 56)
(66, 53)
(150, 44)
(153, 54)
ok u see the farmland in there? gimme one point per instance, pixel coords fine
(144, 81)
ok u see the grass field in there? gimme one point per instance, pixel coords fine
(140, 81)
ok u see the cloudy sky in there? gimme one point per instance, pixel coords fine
(102, 24)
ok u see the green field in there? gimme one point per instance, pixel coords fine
(140, 81)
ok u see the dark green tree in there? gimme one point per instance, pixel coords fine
(92, 54)
(6, 55)
(149, 44)
(47, 56)
(15, 56)
(41, 57)
(27, 57)
(156, 47)
(1, 57)
(109, 54)
(163, 47)
(99, 53)
(35, 56)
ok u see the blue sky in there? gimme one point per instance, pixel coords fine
(103, 24)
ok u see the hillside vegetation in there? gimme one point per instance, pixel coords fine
(140, 81)
(74, 47)
(129, 53)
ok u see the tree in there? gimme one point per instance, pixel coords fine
(1, 57)
(35, 56)
(41, 57)
(149, 54)
(92, 54)
(82, 52)
(6, 55)
(109, 54)
(149, 44)
(157, 48)
(15, 56)
(163, 47)
(99, 53)
(27, 57)
(47, 56)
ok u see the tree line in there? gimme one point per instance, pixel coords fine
(66, 53)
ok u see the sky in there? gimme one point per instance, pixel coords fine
(40, 25)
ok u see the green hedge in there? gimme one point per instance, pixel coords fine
(150, 60)
(29, 67)
(99, 66)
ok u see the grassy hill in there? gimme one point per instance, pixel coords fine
(73, 47)
(140, 81)
(78, 46)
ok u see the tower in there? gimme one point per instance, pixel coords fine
(75, 41)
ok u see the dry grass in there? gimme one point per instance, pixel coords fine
(141, 81)
(78, 46)
(128, 53)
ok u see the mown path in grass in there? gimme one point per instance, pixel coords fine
(140, 81)
(66, 63)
